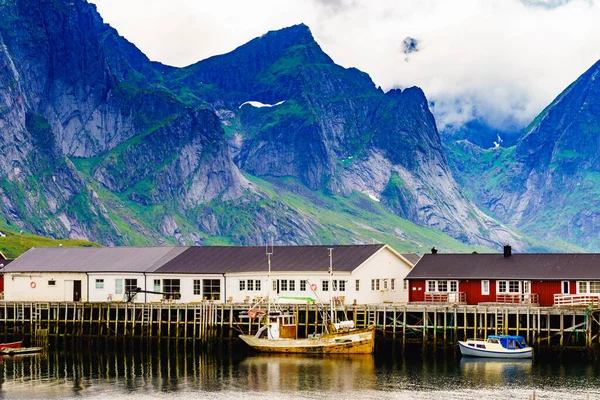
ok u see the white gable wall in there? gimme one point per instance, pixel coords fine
(19, 286)
(383, 266)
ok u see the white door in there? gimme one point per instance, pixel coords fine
(526, 287)
(68, 295)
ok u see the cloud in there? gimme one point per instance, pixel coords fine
(501, 61)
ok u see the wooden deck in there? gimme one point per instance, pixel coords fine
(432, 323)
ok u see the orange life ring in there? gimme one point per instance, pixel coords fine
(313, 287)
(32, 285)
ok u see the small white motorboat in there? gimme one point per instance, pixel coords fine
(496, 346)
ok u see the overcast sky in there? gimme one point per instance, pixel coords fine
(499, 60)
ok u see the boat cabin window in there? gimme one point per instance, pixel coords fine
(481, 346)
(521, 343)
(493, 340)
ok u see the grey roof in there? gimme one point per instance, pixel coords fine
(518, 266)
(94, 259)
(411, 257)
(222, 259)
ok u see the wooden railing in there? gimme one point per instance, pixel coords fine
(576, 300)
(530, 298)
(455, 297)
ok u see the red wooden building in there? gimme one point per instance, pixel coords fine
(3, 263)
(541, 279)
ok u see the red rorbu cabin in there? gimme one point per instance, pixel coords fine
(537, 279)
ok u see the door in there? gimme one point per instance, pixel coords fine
(565, 287)
(526, 287)
(76, 290)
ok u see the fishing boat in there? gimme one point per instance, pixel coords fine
(279, 331)
(12, 345)
(496, 346)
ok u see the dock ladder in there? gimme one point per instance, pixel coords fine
(499, 322)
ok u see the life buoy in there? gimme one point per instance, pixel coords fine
(313, 287)
(32, 285)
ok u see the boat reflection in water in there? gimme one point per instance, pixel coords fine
(304, 373)
(491, 371)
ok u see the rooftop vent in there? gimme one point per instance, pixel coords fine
(507, 251)
(434, 250)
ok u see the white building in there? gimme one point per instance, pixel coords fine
(361, 274)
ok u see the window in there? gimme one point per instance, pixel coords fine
(197, 287)
(431, 286)
(565, 287)
(592, 287)
(130, 285)
(485, 288)
(442, 286)
(334, 285)
(454, 286)
(302, 286)
(171, 285)
(325, 286)
(250, 284)
(393, 284)
(157, 285)
(257, 284)
(211, 288)
(283, 284)
(275, 285)
(51, 282)
(292, 285)
(118, 286)
(99, 283)
(509, 287)
(342, 286)
(405, 284)
(357, 285)
(385, 284)
(242, 285)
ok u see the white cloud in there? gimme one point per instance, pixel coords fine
(502, 60)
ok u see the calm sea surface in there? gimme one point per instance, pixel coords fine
(187, 373)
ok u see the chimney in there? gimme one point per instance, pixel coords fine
(434, 250)
(507, 251)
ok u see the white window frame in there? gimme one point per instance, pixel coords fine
(292, 285)
(562, 287)
(257, 284)
(508, 291)
(393, 284)
(250, 285)
(242, 285)
(357, 285)
(100, 284)
(435, 285)
(303, 285)
(485, 287)
(118, 286)
(342, 286)
(587, 286)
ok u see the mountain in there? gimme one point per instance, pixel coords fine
(271, 139)
(13, 244)
(547, 184)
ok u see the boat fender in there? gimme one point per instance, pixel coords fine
(313, 287)
(32, 285)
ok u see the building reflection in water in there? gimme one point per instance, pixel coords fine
(305, 373)
(495, 372)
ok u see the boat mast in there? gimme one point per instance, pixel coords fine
(331, 283)
(269, 282)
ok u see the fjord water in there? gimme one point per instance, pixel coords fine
(185, 373)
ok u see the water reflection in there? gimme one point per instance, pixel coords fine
(188, 373)
(304, 373)
(494, 372)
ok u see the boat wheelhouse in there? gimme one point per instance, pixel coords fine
(496, 346)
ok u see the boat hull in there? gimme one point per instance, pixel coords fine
(485, 353)
(13, 345)
(354, 342)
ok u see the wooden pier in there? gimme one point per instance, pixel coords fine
(427, 324)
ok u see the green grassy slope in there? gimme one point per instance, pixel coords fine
(14, 244)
